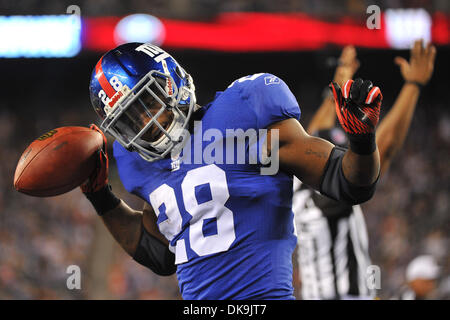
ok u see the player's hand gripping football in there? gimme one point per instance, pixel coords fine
(358, 106)
(421, 63)
(98, 178)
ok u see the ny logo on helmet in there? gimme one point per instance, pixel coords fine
(153, 51)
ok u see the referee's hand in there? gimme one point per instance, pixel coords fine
(420, 66)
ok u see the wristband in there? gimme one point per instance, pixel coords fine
(362, 144)
(418, 84)
(103, 200)
(335, 185)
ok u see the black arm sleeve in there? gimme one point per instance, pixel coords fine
(155, 255)
(335, 186)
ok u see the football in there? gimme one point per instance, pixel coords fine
(57, 162)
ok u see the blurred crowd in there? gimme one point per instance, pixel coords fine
(207, 9)
(41, 237)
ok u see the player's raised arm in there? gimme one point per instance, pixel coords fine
(325, 116)
(345, 175)
(394, 127)
(135, 231)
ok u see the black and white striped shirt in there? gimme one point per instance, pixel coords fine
(332, 251)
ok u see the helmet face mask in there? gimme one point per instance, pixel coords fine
(151, 117)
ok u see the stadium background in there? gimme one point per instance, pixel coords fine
(41, 237)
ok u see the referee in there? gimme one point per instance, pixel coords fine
(333, 249)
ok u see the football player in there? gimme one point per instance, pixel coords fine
(225, 228)
(333, 253)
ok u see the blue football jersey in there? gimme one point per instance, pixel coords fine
(230, 227)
